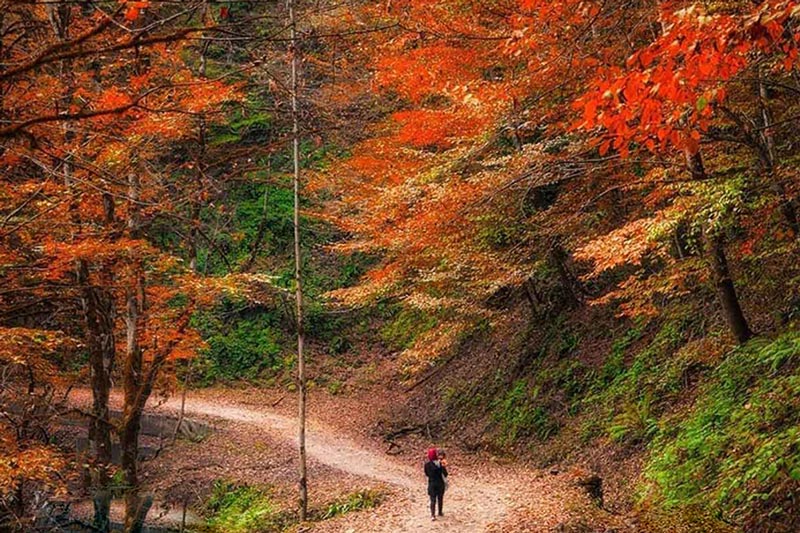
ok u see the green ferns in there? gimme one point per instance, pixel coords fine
(237, 508)
(520, 415)
(242, 509)
(738, 449)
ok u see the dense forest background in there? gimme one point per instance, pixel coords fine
(567, 231)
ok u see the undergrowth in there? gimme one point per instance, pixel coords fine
(519, 416)
(240, 508)
(403, 329)
(357, 501)
(733, 453)
(235, 508)
(738, 449)
(241, 343)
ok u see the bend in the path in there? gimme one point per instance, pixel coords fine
(322, 445)
(474, 503)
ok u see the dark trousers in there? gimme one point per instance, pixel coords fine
(437, 497)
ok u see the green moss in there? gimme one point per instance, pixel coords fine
(408, 324)
(738, 450)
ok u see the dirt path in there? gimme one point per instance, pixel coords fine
(255, 442)
(471, 505)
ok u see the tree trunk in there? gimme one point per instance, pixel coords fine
(97, 304)
(301, 377)
(194, 216)
(129, 432)
(98, 312)
(569, 282)
(727, 291)
(134, 382)
(263, 226)
(533, 296)
(769, 157)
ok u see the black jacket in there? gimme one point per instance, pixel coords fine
(436, 473)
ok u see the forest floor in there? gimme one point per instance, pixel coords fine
(255, 442)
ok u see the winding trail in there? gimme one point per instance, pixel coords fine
(471, 504)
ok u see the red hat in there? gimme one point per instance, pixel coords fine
(432, 454)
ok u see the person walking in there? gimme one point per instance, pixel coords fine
(436, 472)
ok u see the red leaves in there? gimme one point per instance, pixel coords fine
(426, 71)
(134, 11)
(436, 129)
(668, 90)
(132, 14)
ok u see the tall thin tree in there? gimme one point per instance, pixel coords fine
(301, 375)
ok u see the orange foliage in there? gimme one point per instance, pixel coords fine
(554, 84)
(85, 137)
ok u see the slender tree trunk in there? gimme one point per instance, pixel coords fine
(726, 290)
(194, 216)
(133, 376)
(97, 304)
(533, 297)
(569, 282)
(263, 225)
(301, 376)
(769, 159)
(129, 432)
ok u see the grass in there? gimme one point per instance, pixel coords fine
(737, 451)
(357, 501)
(240, 508)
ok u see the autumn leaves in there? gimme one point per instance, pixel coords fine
(637, 114)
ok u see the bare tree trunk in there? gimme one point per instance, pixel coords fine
(569, 282)
(301, 376)
(131, 421)
(769, 160)
(194, 216)
(532, 296)
(263, 225)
